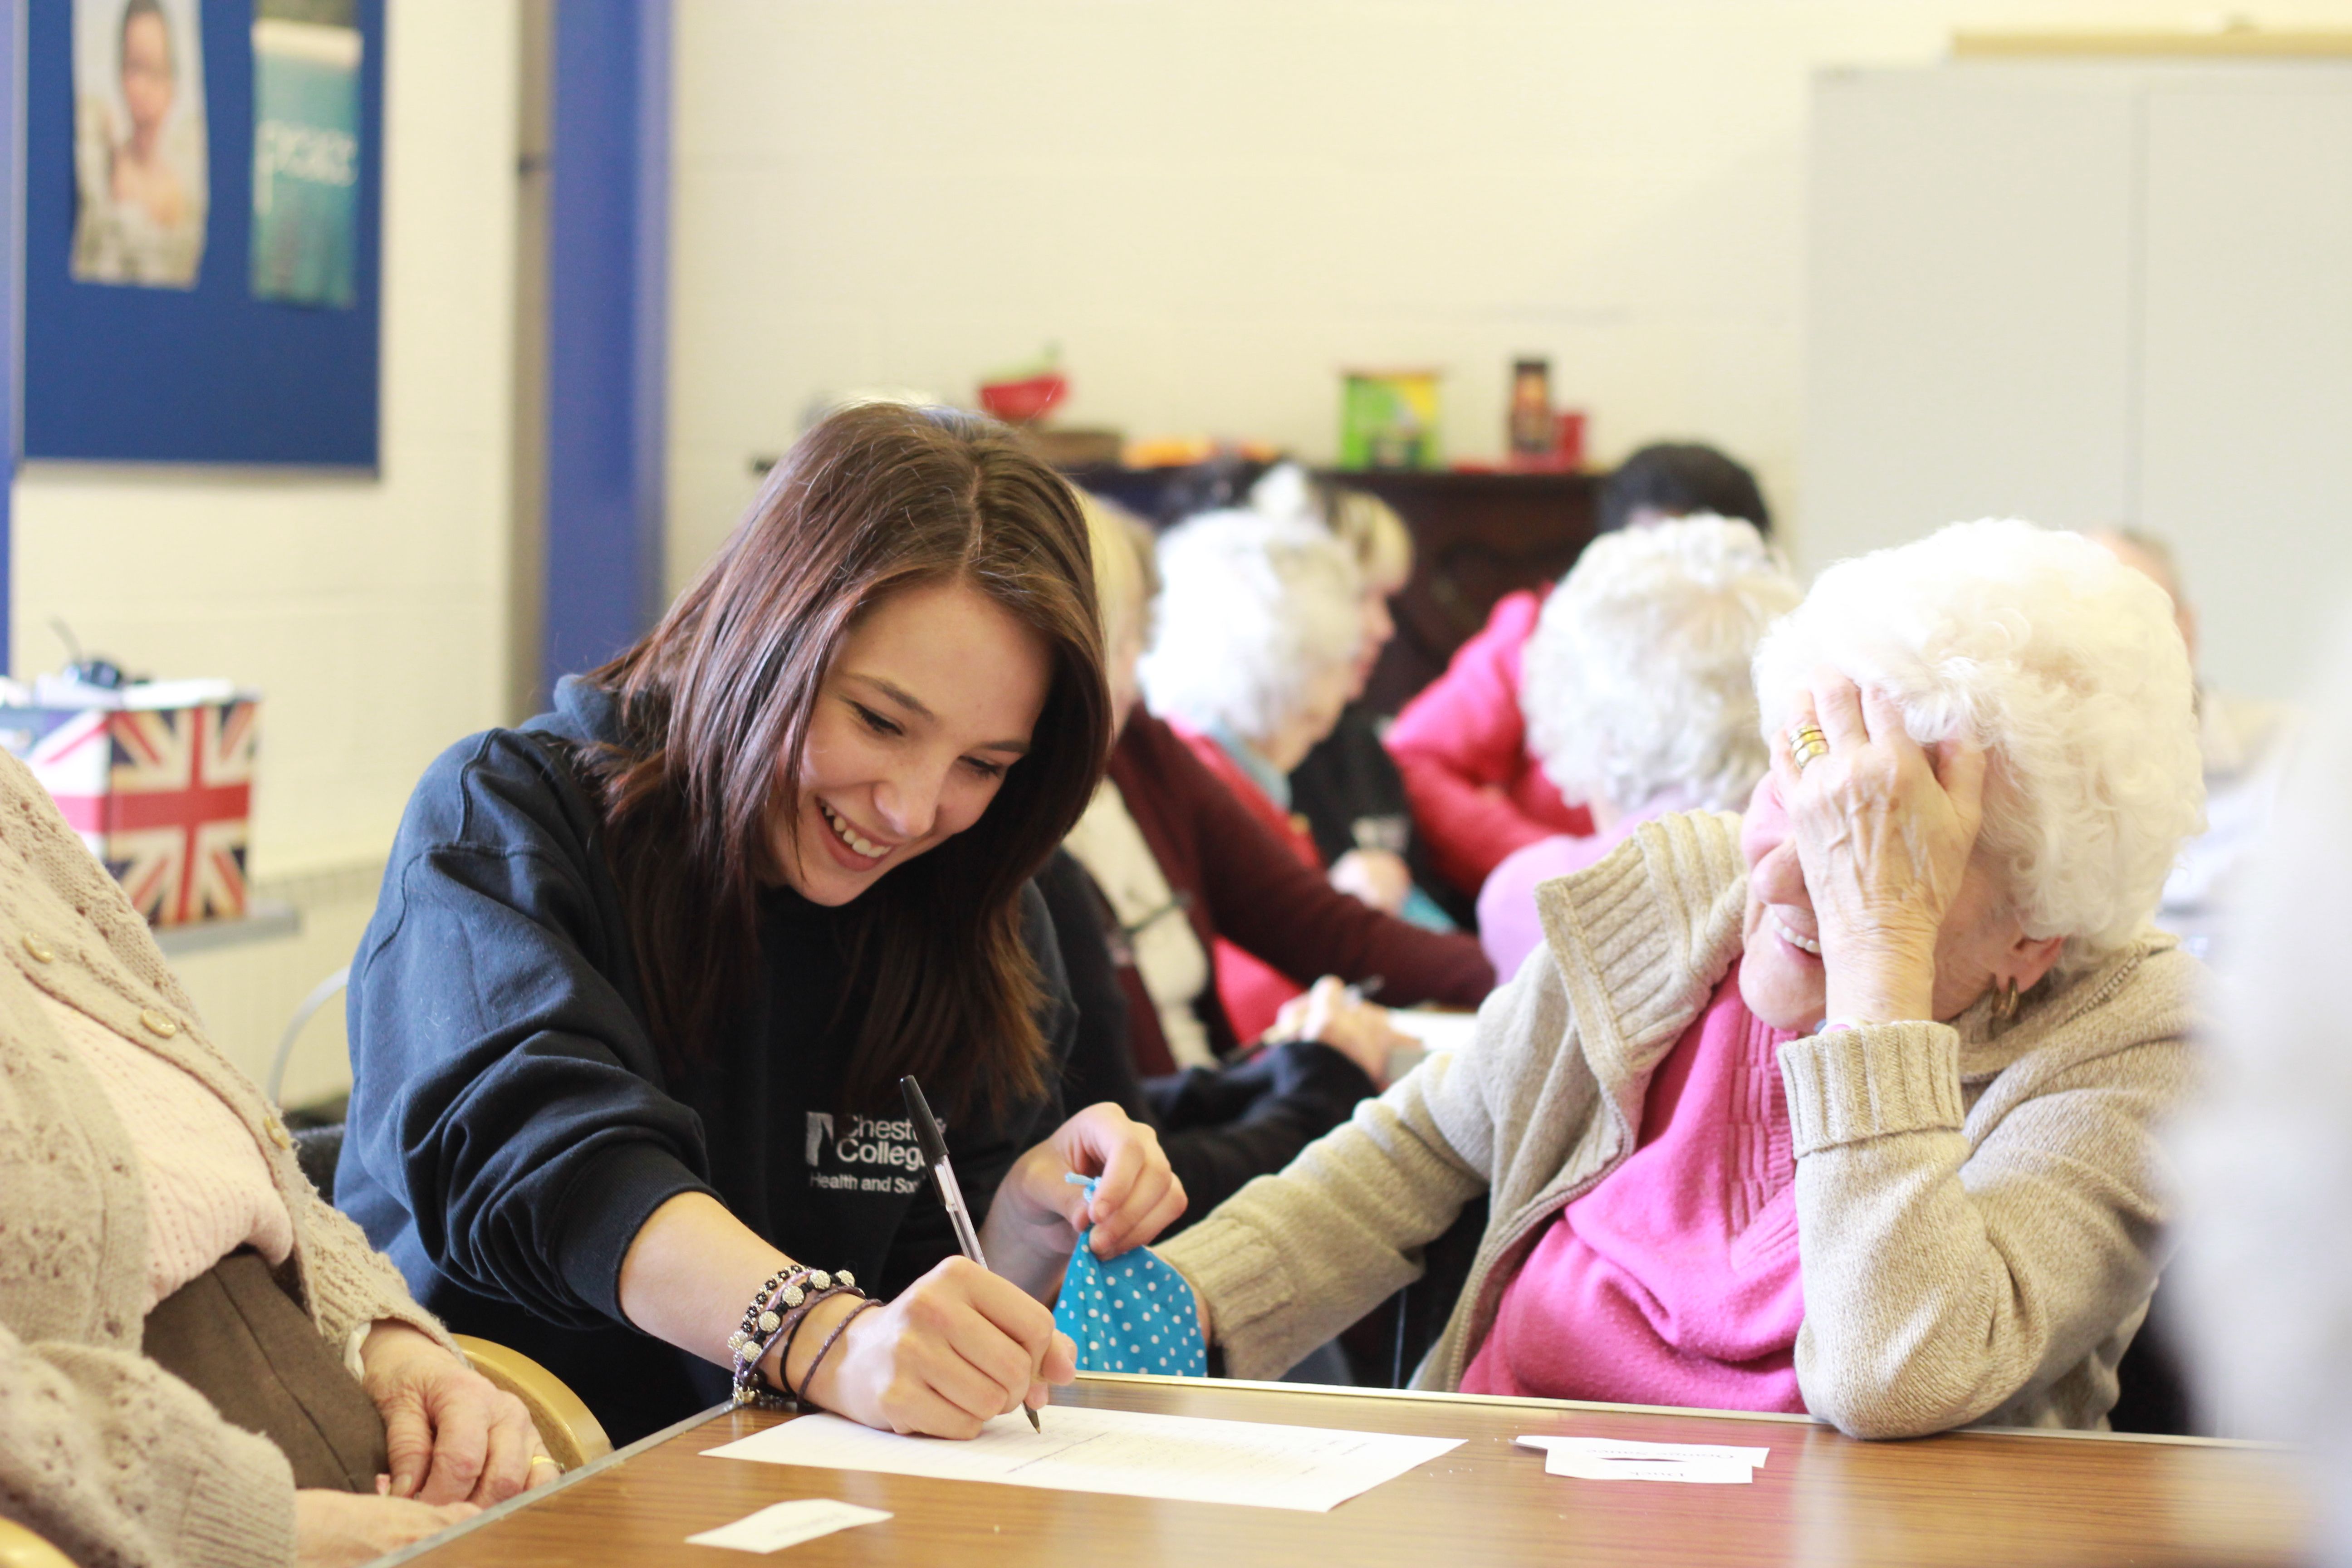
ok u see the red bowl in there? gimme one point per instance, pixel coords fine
(1018, 402)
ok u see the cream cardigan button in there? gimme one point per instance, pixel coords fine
(280, 1136)
(39, 950)
(158, 1024)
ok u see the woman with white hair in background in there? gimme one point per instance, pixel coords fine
(1255, 655)
(1347, 792)
(1638, 697)
(1846, 1106)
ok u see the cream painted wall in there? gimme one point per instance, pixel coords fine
(371, 611)
(1214, 204)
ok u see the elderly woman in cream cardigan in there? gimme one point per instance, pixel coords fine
(1846, 1105)
(200, 1362)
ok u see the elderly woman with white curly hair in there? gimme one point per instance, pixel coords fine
(1638, 700)
(1256, 637)
(1846, 1105)
(1260, 622)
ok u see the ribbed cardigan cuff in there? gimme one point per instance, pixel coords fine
(239, 1509)
(1849, 1085)
(1238, 1272)
(353, 1290)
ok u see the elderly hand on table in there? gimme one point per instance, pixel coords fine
(456, 1442)
(453, 1435)
(341, 1529)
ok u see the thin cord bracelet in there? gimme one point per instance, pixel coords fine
(825, 1349)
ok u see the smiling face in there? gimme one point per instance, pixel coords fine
(1782, 977)
(933, 696)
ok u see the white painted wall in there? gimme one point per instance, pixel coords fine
(371, 613)
(2088, 294)
(1214, 204)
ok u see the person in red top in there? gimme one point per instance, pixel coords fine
(1477, 793)
(1241, 892)
(1252, 989)
(1252, 662)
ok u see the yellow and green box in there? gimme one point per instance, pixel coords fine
(1388, 419)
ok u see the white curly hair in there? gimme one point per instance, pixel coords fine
(1637, 685)
(2066, 666)
(1253, 611)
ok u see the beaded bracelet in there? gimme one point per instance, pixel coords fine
(796, 1291)
(760, 1323)
(825, 1349)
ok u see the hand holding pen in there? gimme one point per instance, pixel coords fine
(935, 1155)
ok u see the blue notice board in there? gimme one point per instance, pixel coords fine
(209, 374)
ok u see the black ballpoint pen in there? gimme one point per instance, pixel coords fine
(935, 1155)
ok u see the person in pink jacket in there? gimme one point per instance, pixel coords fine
(1638, 698)
(1477, 793)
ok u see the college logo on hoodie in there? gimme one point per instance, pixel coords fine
(866, 1156)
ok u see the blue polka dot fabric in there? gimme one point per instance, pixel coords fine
(1129, 1313)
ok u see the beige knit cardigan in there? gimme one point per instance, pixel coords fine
(1979, 1207)
(110, 1457)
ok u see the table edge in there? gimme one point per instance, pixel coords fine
(439, 1539)
(1783, 1417)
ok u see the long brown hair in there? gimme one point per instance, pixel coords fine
(872, 501)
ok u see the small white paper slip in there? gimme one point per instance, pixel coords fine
(1602, 1467)
(1619, 1447)
(787, 1524)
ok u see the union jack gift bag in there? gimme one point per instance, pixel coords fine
(160, 787)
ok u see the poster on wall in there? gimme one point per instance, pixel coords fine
(140, 180)
(209, 371)
(305, 149)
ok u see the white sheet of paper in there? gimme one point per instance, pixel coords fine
(787, 1524)
(1631, 1467)
(1619, 1447)
(1435, 1028)
(1126, 1453)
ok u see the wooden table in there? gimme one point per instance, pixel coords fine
(1973, 1498)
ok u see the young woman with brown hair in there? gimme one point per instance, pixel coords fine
(627, 1026)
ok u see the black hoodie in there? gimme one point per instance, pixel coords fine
(511, 1126)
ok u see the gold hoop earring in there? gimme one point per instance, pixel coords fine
(2004, 1002)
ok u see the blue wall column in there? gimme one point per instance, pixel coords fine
(607, 343)
(12, 287)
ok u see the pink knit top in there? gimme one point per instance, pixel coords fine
(208, 1187)
(1508, 926)
(1676, 1280)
